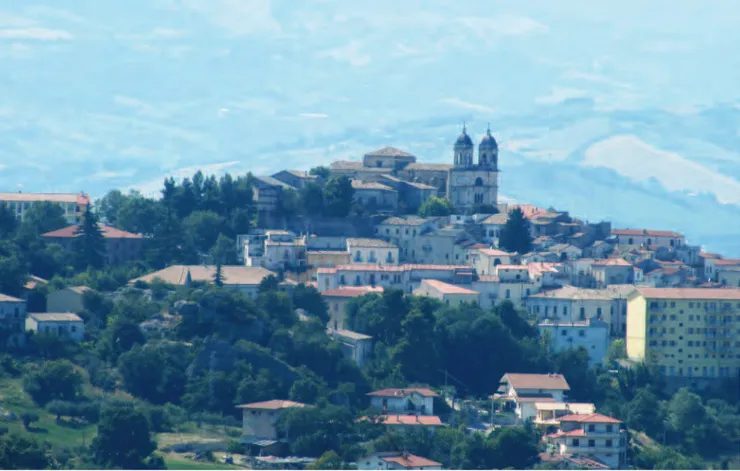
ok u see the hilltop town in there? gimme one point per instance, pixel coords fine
(379, 313)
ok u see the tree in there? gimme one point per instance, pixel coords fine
(329, 460)
(514, 448)
(645, 413)
(12, 270)
(109, 206)
(322, 172)
(288, 204)
(41, 218)
(311, 199)
(56, 379)
(435, 206)
(309, 298)
(204, 227)
(8, 221)
(515, 236)
(29, 417)
(89, 244)
(124, 438)
(617, 351)
(218, 277)
(139, 214)
(119, 337)
(23, 452)
(224, 251)
(338, 197)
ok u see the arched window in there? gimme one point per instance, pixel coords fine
(372, 256)
(479, 181)
(358, 256)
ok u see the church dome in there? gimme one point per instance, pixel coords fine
(488, 141)
(464, 140)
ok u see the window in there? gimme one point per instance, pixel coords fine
(592, 443)
(564, 332)
(609, 428)
(609, 444)
(508, 294)
(583, 313)
(576, 442)
(581, 333)
(591, 428)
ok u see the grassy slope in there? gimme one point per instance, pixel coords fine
(64, 434)
(177, 462)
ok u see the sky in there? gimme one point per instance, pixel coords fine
(100, 95)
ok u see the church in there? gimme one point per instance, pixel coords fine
(466, 183)
(471, 183)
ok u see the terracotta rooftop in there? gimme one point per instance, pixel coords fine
(389, 268)
(400, 419)
(447, 288)
(409, 461)
(404, 221)
(612, 262)
(423, 166)
(536, 381)
(389, 152)
(590, 419)
(573, 293)
(274, 404)
(727, 261)
(232, 274)
(77, 198)
(4, 298)
(403, 392)
(34, 281)
(572, 433)
(352, 291)
(645, 232)
(691, 293)
(495, 253)
(107, 231)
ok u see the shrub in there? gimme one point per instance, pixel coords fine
(28, 417)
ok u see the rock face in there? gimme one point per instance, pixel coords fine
(219, 355)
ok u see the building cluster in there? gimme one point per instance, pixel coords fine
(583, 284)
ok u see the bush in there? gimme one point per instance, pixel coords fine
(236, 448)
(9, 366)
(28, 417)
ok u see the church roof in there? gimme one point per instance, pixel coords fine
(488, 140)
(389, 152)
(464, 140)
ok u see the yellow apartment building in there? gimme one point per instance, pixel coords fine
(689, 333)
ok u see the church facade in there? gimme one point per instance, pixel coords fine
(471, 183)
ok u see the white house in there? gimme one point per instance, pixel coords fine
(260, 418)
(549, 413)
(405, 400)
(396, 460)
(570, 304)
(400, 231)
(647, 237)
(566, 251)
(406, 277)
(492, 227)
(375, 251)
(524, 390)
(451, 295)
(591, 334)
(64, 324)
(595, 436)
(356, 346)
(485, 261)
(13, 319)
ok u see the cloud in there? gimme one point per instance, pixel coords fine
(504, 26)
(109, 175)
(314, 115)
(241, 17)
(38, 34)
(467, 105)
(141, 107)
(560, 94)
(596, 78)
(16, 51)
(349, 53)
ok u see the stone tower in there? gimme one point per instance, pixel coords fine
(471, 184)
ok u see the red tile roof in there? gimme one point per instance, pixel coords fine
(399, 419)
(447, 288)
(274, 404)
(573, 433)
(727, 261)
(536, 381)
(690, 293)
(403, 392)
(590, 418)
(645, 232)
(408, 460)
(352, 291)
(388, 268)
(613, 262)
(495, 253)
(108, 233)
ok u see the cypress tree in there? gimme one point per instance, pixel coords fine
(515, 236)
(89, 245)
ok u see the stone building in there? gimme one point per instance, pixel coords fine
(470, 184)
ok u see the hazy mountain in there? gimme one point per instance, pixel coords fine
(613, 110)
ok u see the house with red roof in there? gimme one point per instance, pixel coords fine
(452, 295)
(593, 436)
(396, 460)
(523, 390)
(121, 246)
